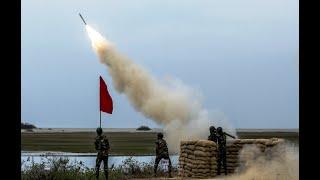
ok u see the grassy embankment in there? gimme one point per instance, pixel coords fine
(122, 143)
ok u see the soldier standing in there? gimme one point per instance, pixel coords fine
(213, 134)
(102, 146)
(222, 152)
(161, 153)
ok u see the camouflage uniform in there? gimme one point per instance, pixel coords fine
(161, 153)
(213, 135)
(102, 146)
(222, 153)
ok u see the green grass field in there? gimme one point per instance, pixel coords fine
(122, 143)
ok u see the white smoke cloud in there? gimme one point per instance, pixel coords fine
(171, 103)
(280, 162)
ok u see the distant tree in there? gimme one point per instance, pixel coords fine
(27, 126)
(143, 128)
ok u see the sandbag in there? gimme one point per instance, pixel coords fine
(246, 141)
(232, 160)
(188, 151)
(188, 168)
(203, 149)
(191, 156)
(262, 141)
(190, 147)
(233, 149)
(205, 143)
(203, 154)
(201, 170)
(236, 146)
(187, 160)
(182, 143)
(192, 142)
(200, 162)
(202, 158)
(202, 166)
(190, 165)
(233, 165)
(232, 152)
(201, 175)
(184, 155)
(232, 156)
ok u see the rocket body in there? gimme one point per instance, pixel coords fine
(82, 19)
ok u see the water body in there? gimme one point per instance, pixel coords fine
(88, 159)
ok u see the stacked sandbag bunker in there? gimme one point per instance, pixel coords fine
(234, 147)
(198, 159)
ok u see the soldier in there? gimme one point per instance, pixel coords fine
(222, 152)
(102, 146)
(213, 134)
(161, 153)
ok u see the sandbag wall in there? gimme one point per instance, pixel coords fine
(198, 159)
(234, 148)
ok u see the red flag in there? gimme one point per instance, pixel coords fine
(106, 104)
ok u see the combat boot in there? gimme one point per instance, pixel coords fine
(97, 173)
(106, 174)
(170, 176)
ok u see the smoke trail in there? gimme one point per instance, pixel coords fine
(173, 105)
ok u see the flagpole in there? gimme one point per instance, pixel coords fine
(100, 102)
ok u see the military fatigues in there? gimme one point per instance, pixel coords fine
(161, 153)
(102, 146)
(222, 153)
(213, 137)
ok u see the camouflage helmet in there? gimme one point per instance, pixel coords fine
(99, 131)
(219, 130)
(160, 135)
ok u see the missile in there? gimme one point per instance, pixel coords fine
(82, 19)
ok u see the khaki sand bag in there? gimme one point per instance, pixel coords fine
(205, 143)
(190, 147)
(188, 151)
(204, 149)
(202, 158)
(203, 154)
(199, 160)
(191, 156)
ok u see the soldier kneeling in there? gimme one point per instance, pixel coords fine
(161, 153)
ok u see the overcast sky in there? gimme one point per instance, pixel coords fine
(241, 55)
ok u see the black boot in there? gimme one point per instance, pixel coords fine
(97, 173)
(155, 170)
(170, 168)
(218, 171)
(106, 174)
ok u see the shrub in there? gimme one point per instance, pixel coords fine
(143, 128)
(62, 168)
(27, 126)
